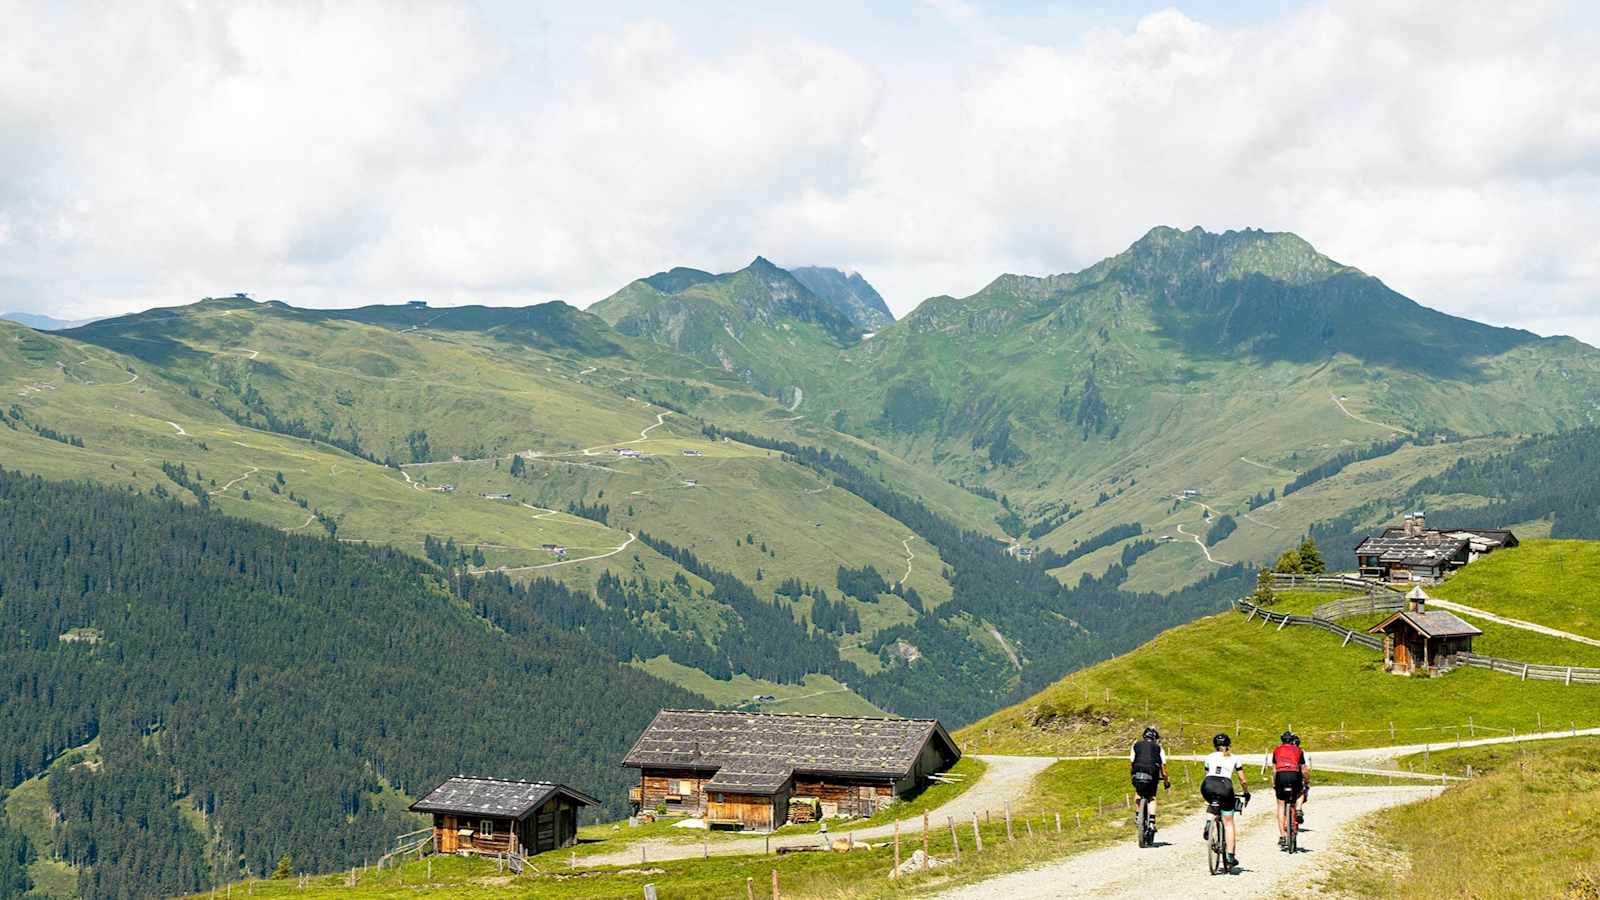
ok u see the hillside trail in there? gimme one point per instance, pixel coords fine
(1514, 623)
(909, 557)
(1337, 401)
(1203, 548)
(1006, 780)
(1383, 758)
(1176, 865)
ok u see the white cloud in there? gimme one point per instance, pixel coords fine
(330, 153)
(1452, 152)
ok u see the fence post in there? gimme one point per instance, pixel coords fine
(1058, 823)
(955, 841)
(1472, 727)
(1009, 836)
(749, 888)
(896, 872)
(1569, 676)
(924, 840)
(977, 836)
(650, 892)
(774, 884)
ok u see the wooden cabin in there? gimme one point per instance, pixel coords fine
(1417, 640)
(1413, 552)
(491, 815)
(745, 770)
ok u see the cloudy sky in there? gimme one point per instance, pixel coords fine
(344, 153)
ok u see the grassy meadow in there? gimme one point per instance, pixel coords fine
(1523, 827)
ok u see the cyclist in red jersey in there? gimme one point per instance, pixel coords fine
(1290, 780)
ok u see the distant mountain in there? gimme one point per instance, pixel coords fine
(42, 322)
(849, 294)
(760, 322)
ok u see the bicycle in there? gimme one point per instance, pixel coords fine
(1291, 841)
(1216, 835)
(1146, 826)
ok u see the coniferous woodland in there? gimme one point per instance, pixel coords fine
(277, 685)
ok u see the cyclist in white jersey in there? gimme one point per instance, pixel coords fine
(1217, 787)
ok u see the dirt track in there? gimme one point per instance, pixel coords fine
(1176, 866)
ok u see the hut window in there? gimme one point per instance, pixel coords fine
(486, 828)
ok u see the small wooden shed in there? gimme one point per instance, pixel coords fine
(747, 770)
(1416, 639)
(493, 815)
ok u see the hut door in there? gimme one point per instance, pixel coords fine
(447, 837)
(1402, 656)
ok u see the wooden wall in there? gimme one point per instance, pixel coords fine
(752, 812)
(682, 790)
(850, 796)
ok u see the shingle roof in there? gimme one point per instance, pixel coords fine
(494, 797)
(1430, 548)
(760, 751)
(1432, 624)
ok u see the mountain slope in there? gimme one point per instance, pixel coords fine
(1194, 680)
(42, 322)
(848, 293)
(759, 322)
(188, 648)
(1224, 363)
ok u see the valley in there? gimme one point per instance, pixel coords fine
(1025, 513)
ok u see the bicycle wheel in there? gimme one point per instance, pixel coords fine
(1217, 848)
(1294, 830)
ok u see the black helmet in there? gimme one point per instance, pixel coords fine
(1221, 741)
(1295, 740)
(1151, 734)
(1287, 737)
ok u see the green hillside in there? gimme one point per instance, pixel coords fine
(157, 654)
(1229, 364)
(1440, 847)
(1221, 673)
(759, 323)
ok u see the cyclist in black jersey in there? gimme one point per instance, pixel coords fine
(1148, 762)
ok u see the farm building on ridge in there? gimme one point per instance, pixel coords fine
(1418, 641)
(492, 815)
(1415, 552)
(742, 770)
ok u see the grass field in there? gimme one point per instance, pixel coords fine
(1524, 827)
(27, 808)
(1547, 582)
(1208, 676)
(818, 694)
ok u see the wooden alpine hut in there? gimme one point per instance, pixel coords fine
(748, 770)
(1416, 639)
(492, 815)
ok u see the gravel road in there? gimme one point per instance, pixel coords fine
(1176, 866)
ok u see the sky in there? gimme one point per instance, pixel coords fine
(342, 153)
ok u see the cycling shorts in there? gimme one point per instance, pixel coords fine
(1145, 783)
(1288, 785)
(1219, 790)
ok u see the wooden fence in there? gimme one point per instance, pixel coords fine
(1325, 582)
(1323, 617)
(1350, 636)
(1334, 610)
(1526, 671)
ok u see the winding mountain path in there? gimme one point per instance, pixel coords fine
(1203, 548)
(1339, 402)
(224, 488)
(1514, 623)
(909, 556)
(1176, 865)
(564, 562)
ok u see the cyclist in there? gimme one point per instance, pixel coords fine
(1221, 768)
(1305, 792)
(1147, 761)
(1290, 780)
